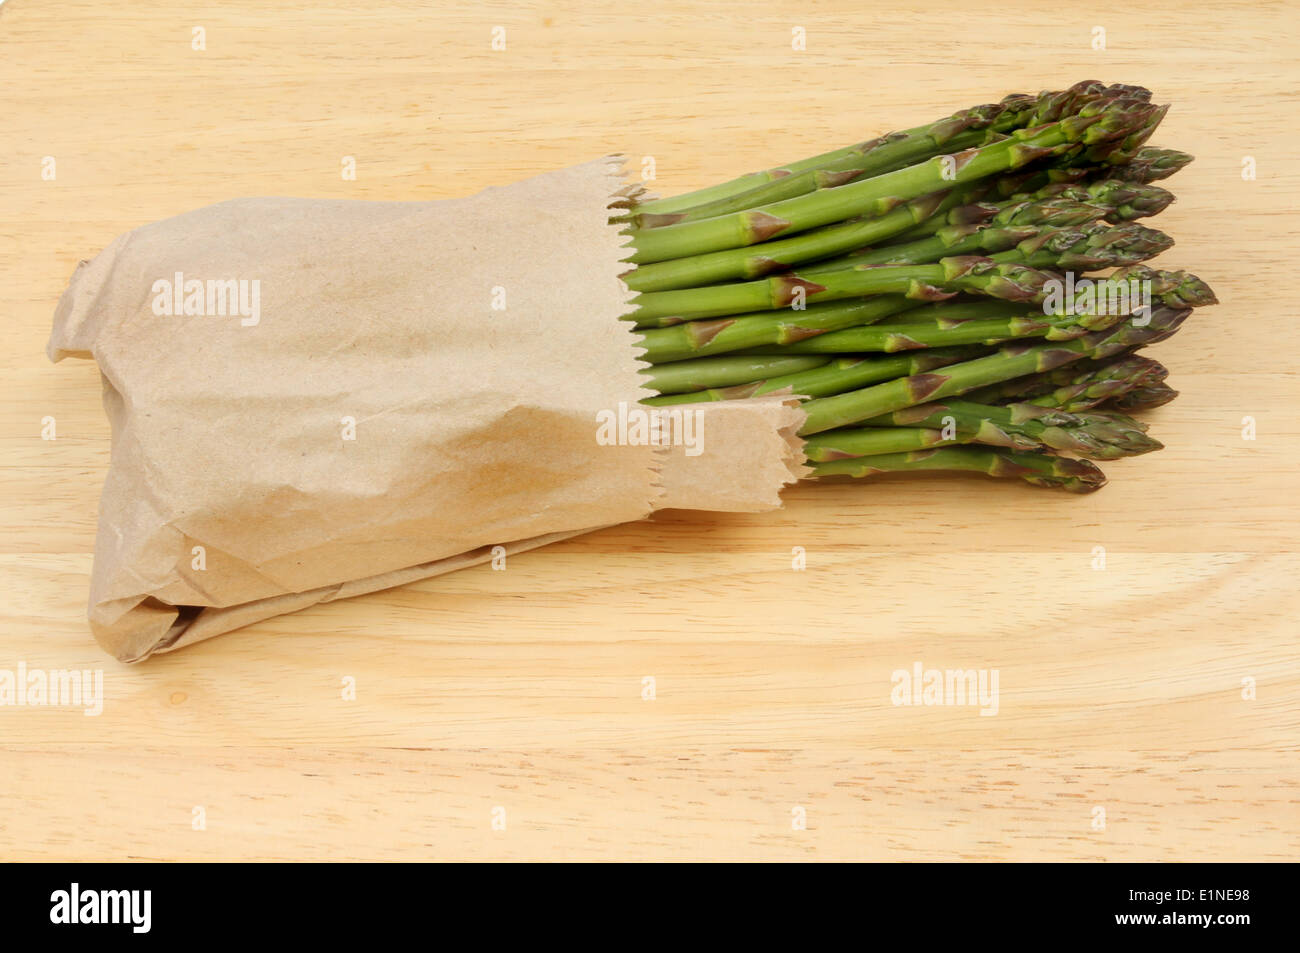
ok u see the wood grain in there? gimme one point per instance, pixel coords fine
(1121, 688)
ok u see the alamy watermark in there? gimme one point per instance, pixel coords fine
(933, 686)
(635, 425)
(53, 688)
(216, 297)
(1117, 296)
(75, 905)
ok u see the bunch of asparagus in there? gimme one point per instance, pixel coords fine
(923, 292)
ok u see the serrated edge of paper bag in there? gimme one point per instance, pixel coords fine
(762, 453)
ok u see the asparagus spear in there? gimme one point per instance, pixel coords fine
(898, 149)
(1095, 306)
(892, 338)
(1040, 469)
(780, 328)
(1143, 398)
(1150, 165)
(920, 218)
(1127, 147)
(1010, 225)
(919, 282)
(1088, 247)
(1098, 436)
(1011, 274)
(1021, 389)
(958, 308)
(1008, 228)
(1114, 151)
(872, 157)
(965, 129)
(867, 441)
(1124, 201)
(836, 172)
(835, 377)
(1042, 181)
(942, 315)
(1095, 122)
(1080, 387)
(1037, 179)
(1114, 200)
(723, 371)
(846, 442)
(989, 322)
(732, 263)
(979, 202)
(1175, 289)
(1013, 360)
(1125, 198)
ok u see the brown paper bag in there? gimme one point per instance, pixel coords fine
(316, 399)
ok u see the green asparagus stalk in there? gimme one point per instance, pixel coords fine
(1097, 436)
(978, 322)
(835, 377)
(733, 263)
(898, 149)
(1037, 180)
(1040, 469)
(943, 314)
(1090, 247)
(867, 441)
(1150, 165)
(1123, 150)
(943, 326)
(1143, 398)
(957, 308)
(1095, 122)
(833, 174)
(846, 442)
(1012, 224)
(1050, 182)
(893, 338)
(1114, 151)
(943, 279)
(979, 202)
(723, 371)
(1020, 389)
(965, 206)
(1124, 201)
(1084, 248)
(873, 157)
(1097, 305)
(1013, 360)
(778, 328)
(1174, 289)
(1077, 388)
(920, 218)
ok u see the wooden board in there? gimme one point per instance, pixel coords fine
(1127, 727)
